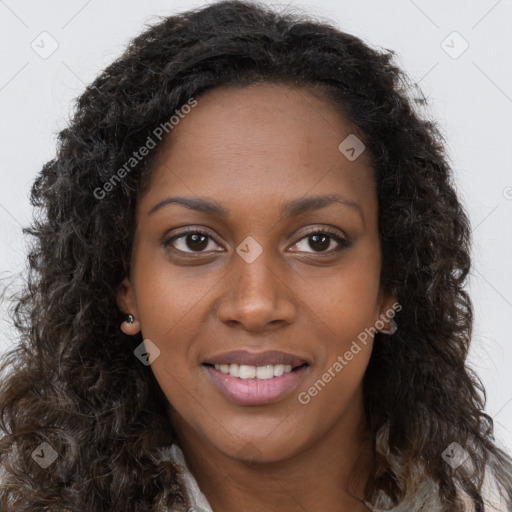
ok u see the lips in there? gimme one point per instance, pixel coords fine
(250, 392)
(249, 379)
(269, 357)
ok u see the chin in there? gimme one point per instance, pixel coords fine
(258, 450)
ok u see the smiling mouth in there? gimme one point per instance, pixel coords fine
(265, 372)
(256, 385)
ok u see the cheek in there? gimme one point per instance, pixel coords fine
(345, 299)
(348, 340)
(346, 302)
(169, 297)
(169, 305)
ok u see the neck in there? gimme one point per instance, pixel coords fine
(328, 475)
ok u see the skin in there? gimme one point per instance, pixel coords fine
(254, 149)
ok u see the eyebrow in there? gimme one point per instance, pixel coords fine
(295, 207)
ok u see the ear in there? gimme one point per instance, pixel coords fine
(388, 306)
(127, 303)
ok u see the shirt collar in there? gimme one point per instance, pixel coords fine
(198, 501)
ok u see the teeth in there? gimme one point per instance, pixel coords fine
(234, 369)
(247, 372)
(244, 371)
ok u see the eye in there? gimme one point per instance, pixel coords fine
(193, 239)
(321, 239)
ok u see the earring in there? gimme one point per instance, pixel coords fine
(392, 329)
(129, 325)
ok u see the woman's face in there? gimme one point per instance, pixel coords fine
(255, 279)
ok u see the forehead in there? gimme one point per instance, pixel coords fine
(263, 141)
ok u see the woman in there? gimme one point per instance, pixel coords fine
(246, 288)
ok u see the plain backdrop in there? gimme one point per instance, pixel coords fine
(457, 51)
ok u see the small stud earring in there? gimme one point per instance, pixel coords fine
(392, 329)
(129, 324)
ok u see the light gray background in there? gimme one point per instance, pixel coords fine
(470, 96)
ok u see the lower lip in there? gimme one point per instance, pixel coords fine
(255, 391)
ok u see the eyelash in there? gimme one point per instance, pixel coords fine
(343, 242)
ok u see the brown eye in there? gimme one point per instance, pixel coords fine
(196, 241)
(189, 241)
(321, 240)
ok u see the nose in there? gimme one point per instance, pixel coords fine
(257, 297)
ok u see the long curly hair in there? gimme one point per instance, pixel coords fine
(72, 380)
